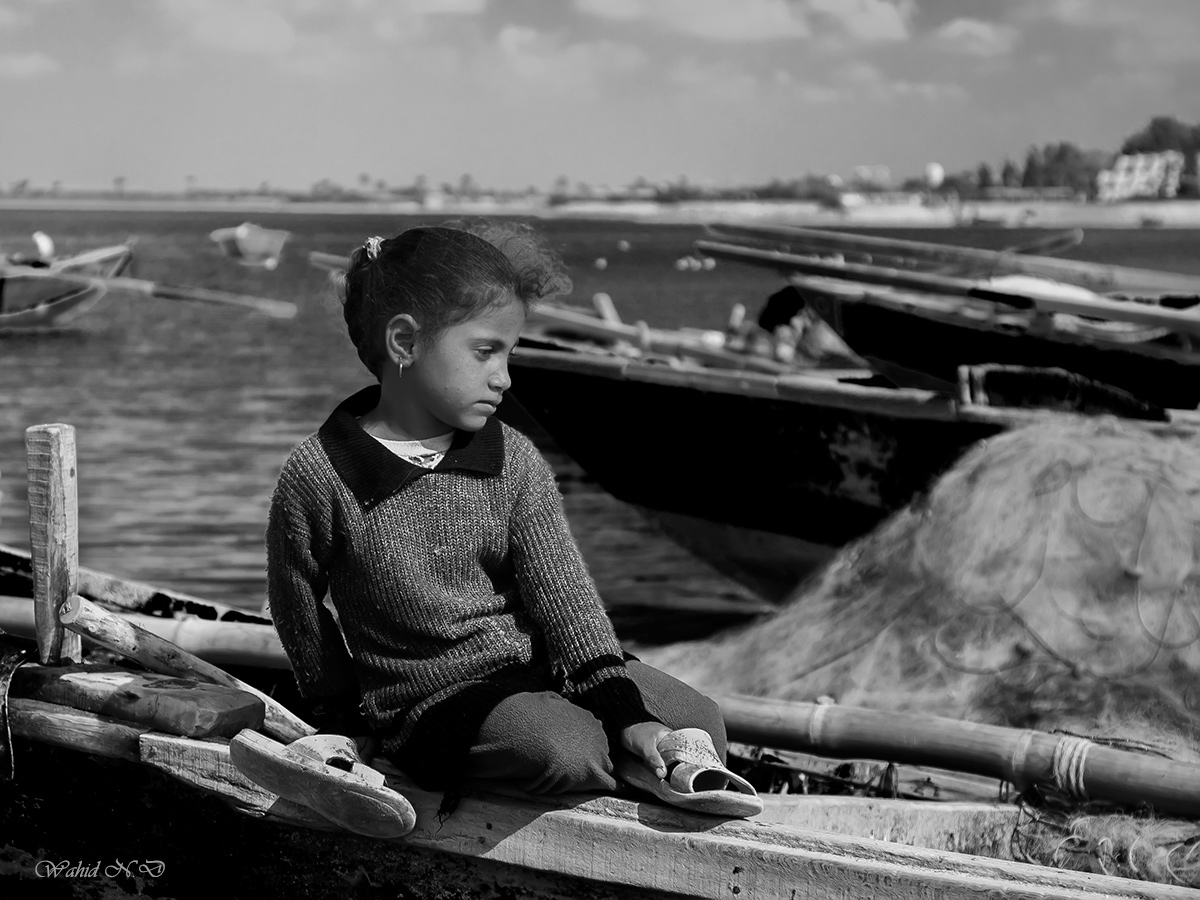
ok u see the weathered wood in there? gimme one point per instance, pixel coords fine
(159, 655)
(62, 726)
(631, 845)
(1171, 787)
(174, 705)
(53, 535)
(218, 642)
(981, 829)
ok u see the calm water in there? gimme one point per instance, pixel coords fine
(184, 411)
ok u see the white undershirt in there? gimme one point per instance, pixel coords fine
(426, 454)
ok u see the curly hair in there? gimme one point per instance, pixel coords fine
(442, 275)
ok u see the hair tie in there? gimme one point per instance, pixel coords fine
(372, 245)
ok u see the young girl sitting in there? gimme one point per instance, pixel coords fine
(421, 572)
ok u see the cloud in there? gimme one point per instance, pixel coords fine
(24, 66)
(550, 64)
(972, 37)
(869, 21)
(1144, 36)
(861, 81)
(10, 18)
(714, 81)
(233, 25)
(718, 20)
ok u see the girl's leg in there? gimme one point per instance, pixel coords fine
(678, 705)
(544, 744)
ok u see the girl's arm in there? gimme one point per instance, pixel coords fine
(562, 598)
(299, 546)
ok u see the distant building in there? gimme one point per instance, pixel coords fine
(1141, 175)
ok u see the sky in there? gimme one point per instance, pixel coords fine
(518, 93)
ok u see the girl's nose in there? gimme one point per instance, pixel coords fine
(500, 381)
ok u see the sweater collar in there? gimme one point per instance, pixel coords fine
(373, 473)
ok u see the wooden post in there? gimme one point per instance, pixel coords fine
(53, 536)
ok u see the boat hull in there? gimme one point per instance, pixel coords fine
(32, 298)
(905, 345)
(766, 486)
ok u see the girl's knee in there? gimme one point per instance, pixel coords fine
(573, 757)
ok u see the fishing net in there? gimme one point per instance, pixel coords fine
(1048, 581)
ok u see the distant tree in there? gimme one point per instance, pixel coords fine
(381, 185)
(20, 187)
(984, 176)
(1010, 175)
(468, 186)
(1034, 173)
(364, 180)
(119, 184)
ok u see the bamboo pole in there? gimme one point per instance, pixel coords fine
(160, 655)
(53, 536)
(1078, 767)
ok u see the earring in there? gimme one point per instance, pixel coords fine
(399, 370)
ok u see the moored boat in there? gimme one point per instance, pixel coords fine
(58, 290)
(766, 475)
(917, 325)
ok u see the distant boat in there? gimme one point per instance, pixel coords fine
(31, 296)
(252, 245)
(917, 324)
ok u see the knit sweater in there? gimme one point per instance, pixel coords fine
(454, 587)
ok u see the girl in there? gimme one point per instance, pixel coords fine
(461, 626)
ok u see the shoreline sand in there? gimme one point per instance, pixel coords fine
(998, 214)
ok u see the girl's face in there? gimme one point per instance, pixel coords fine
(459, 376)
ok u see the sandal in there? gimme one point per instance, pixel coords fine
(325, 773)
(696, 779)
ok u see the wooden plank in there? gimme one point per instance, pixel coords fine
(53, 535)
(642, 845)
(174, 705)
(158, 655)
(220, 643)
(1047, 298)
(1095, 276)
(62, 726)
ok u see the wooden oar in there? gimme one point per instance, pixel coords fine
(1081, 768)
(279, 309)
(1031, 295)
(1096, 276)
(557, 318)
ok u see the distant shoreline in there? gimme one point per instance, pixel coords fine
(1037, 214)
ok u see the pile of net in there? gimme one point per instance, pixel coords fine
(1049, 581)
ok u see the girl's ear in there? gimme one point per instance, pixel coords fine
(399, 337)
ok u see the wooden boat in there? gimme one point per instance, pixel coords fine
(766, 475)
(45, 293)
(252, 245)
(142, 748)
(918, 326)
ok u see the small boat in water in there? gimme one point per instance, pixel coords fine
(42, 293)
(252, 245)
(895, 304)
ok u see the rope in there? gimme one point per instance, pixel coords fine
(1070, 754)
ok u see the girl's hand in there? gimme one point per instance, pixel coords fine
(642, 741)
